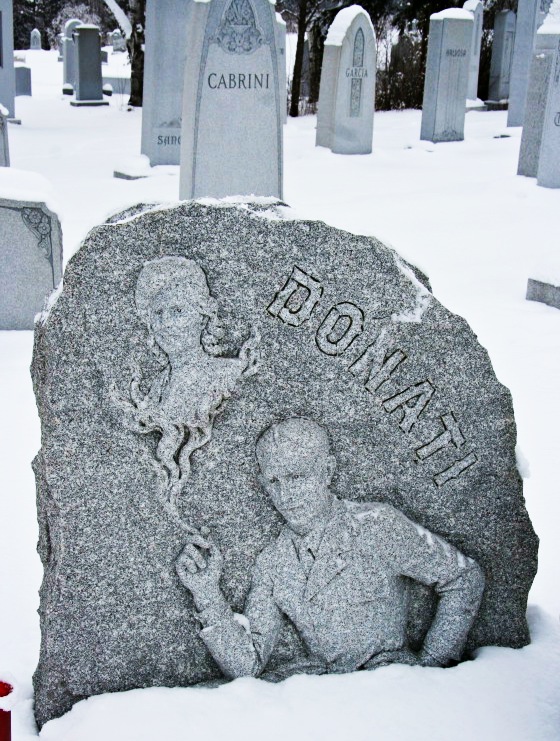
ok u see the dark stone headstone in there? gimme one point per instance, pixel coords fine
(181, 334)
(7, 75)
(89, 83)
(23, 80)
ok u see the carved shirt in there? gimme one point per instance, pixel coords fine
(352, 605)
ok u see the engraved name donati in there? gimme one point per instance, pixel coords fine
(374, 365)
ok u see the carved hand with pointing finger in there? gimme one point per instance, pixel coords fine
(199, 568)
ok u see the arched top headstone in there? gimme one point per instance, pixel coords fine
(35, 39)
(70, 26)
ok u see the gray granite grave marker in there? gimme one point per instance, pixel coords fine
(502, 55)
(23, 79)
(69, 67)
(4, 138)
(477, 9)
(89, 83)
(543, 292)
(30, 257)
(530, 15)
(548, 170)
(447, 74)
(282, 72)
(7, 74)
(35, 39)
(164, 71)
(118, 41)
(347, 90)
(232, 137)
(182, 337)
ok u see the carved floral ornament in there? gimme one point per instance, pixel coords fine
(238, 32)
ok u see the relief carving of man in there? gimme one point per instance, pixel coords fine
(338, 570)
(174, 302)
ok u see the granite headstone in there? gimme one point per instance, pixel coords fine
(347, 89)
(7, 74)
(23, 79)
(447, 74)
(164, 71)
(35, 39)
(502, 55)
(477, 9)
(4, 139)
(232, 133)
(530, 15)
(30, 260)
(282, 72)
(181, 334)
(69, 67)
(543, 292)
(89, 82)
(548, 169)
(118, 41)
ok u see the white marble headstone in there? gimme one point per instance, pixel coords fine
(231, 141)
(69, 52)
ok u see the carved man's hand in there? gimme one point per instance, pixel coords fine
(199, 568)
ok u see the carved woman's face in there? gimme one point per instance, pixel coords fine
(177, 319)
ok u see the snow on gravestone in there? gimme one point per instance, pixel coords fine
(530, 15)
(447, 73)
(30, 251)
(502, 54)
(477, 9)
(7, 74)
(231, 141)
(347, 90)
(180, 335)
(164, 68)
(69, 63)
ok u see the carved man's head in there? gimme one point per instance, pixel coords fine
(173, 299)
(296, 469)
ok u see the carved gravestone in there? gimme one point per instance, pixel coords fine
(530, 15)
(502, 54)
(30, 260)
(35, 39)
(477, 9)
(231, 141)
(7, 75)
(447, 73)
(87, 54)
(183, 333)
(69, 69)
(347, 90)
(164, 70)
(548, 170)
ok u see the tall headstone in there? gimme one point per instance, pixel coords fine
(30, 260)
(118, 41)
(447, 74)
(60, 46)
(477, 10)
(180, 336)
(69, 65)
(89, 83)
(7, 74)
(23, 79)
(4, 140)
(502, 55)
(282, 72)
(548, 170)
(530, 15)
(232, 135)
(35, 39)
(164, 72)
(347, 88)
(537, 91)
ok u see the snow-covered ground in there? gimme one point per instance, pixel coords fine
(461, 214)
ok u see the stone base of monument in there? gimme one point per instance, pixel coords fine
(67, 89)
(545, 293)
(134, 168)
(91, 103)
(16, 121)
(497, 105)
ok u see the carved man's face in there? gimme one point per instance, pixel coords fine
(176, 319)
(297, 481)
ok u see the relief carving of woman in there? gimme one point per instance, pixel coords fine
(174, 302)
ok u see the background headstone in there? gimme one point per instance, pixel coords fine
(530, 15)
(544, 293)
(502, 55)
(118, 41)
(347, 88)
(23, 79)
(104, 56)
(7, 74)
(60, 46)
(232, 134)
(69, 64)
(447, 73)
(358, 346)
(4, 138)
(548, 170)
(477, 10)
(537, 91)
(282, 72)
(35, 40)
(89, 84)
(30, 257)
(164, 72)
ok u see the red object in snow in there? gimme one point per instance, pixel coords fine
(5, 716)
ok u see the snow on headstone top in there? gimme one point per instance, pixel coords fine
(342, 23)
(22, 185)
(471, 5)
(455, 13)
(551, 24)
